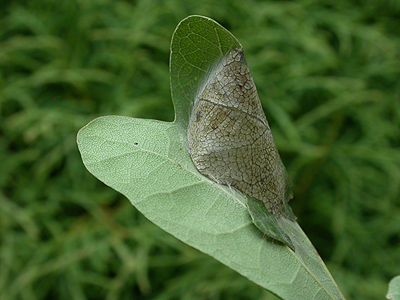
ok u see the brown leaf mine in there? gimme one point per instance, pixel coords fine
(229, 138)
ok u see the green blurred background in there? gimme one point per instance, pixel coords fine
(328, 74)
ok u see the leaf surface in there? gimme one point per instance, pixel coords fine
(394, 289)
(148, 161)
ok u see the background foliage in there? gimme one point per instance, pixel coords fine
(328, 74)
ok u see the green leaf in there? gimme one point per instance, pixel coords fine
(267, 222)
(394, 289)
(148, 161)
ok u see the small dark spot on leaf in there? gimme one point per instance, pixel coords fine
(135, 143)
(198, 116)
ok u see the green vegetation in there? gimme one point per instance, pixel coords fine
(328, 73)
